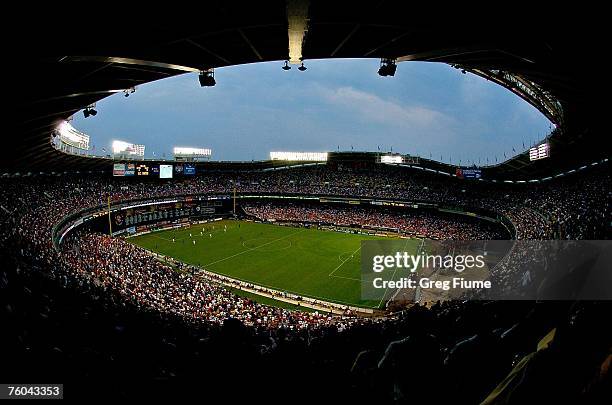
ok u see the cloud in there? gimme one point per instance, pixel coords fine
(372, 108)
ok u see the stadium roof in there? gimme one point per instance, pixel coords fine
(75, 61)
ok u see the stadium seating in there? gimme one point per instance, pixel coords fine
(172, 327)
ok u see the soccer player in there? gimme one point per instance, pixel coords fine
(194, 242)
(172, 240)
(210, 234)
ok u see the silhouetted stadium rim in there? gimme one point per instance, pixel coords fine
(80, 69)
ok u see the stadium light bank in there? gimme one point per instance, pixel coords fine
(299, 156)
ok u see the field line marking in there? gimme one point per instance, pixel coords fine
(349, 278)
(251, 249)
(392, 278)
(344, 261)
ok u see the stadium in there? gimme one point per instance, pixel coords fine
(128, 276)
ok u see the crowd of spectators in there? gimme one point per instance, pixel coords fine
(137, 276)
(419, 224)
(125, 313)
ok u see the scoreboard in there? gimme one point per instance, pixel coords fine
(142, 170)
(163, 171)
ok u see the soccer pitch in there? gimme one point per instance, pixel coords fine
(310, 262)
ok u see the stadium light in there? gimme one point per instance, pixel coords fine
(207, 78)
(90, 111)
(299, 156)
(539, 152)
(387, 67)
(129, 91)
(70, 136)
(127, 150)
(392, 159)
(183, 153)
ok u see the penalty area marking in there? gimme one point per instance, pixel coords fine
(342, 263)
(392, 278)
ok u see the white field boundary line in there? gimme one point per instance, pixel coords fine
(252, 249)
(344, 261)
(418, 291)
(350, 278)
(310, 301)
(218, 278)
(392, 278)
(223, 279)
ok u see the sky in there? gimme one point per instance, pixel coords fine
(427, 109)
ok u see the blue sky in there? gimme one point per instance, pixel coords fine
(426, 108)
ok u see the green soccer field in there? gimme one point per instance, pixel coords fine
(309, 262)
